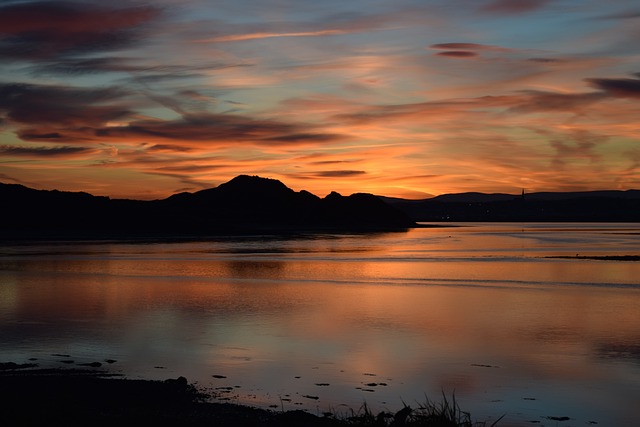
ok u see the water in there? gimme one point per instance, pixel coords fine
(329, 322)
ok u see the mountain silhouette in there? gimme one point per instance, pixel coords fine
(251, 204)
(246, 204)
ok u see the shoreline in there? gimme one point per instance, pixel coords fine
(598, 257)
(74, 396)
(31, 395)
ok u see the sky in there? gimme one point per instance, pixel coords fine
(403, 98)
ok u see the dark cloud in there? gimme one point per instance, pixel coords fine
(218, 128)
(619, 88)
(59, 107)
(536, 101)
(465, 46)
(331, 162)
(544, 60)
(338, 173)
(31, 135)
(70, 114)
(45, 29)
(307, 137)
(465, 50)
(630, 14)
(457, 54)
(202, 127)
(169, 147)
(512, 7)
(12, 150)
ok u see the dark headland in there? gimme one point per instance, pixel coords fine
(244, 205)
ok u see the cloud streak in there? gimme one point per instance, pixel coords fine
(468, 47)
(268, 35)
(45, 152)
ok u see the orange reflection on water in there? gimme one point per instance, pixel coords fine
(484, 326)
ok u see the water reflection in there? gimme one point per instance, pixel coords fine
(509, 331)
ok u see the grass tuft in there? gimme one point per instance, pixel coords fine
(445, 413)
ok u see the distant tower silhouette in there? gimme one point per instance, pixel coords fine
(522, 195)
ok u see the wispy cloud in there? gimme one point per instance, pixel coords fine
(61, 106)
(268, 35)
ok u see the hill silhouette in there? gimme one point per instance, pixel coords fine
(585, 206)
(251, 204)
(246, 204)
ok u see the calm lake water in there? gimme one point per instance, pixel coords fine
(328, 322)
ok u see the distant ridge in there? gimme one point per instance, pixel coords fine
(246, 204)
(584, 206)
(474, 197)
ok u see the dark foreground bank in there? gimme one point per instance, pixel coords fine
(73, 397)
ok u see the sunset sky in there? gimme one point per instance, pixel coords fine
(393, 97)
